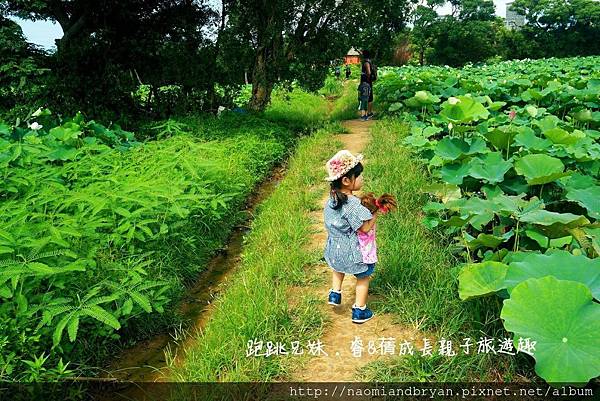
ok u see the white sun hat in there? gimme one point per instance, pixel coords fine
(341, 163)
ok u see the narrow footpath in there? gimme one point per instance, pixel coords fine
(347, 343)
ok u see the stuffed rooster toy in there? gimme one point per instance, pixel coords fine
(385, 203)
(366, 241)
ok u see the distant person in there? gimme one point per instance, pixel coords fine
(338, 72)
(348, 71)
(369, 75)
(364, 93)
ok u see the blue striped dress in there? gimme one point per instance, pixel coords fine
(342, 251)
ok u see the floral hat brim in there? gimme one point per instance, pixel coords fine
(341, 163)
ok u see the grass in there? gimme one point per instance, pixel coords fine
(333, 87)
(254, 305)
(297, 109)
(346, 107)
(417, 275)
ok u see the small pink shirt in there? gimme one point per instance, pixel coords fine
(368, 247)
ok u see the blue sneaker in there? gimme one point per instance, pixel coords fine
(361, 315)
(335, 298)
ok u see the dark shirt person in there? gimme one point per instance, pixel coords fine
(367, 76)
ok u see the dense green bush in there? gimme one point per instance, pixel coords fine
(98, 230)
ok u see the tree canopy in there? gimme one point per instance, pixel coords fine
(184, 52)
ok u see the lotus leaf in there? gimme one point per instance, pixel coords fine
(395, 107)
(463, 110)
(502, 137)
(451, 148)
(588, 197)
(491, 167)
(531, 110)
(478, 279)
(445, 192)
(540, 169)
(488, 240)
(454, 173)
(546, 218)
(562, 319)
(577, 181)
(529, 140)
(583, 115)
(559, 135)
(545, 242)
(561, 264)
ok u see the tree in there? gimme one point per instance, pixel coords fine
(469, 34)
(22, 76)
(290, 39)
(110, 47)
(475, 10)
(379, 22)
(424, 29)
(460, 42)
(561, 28)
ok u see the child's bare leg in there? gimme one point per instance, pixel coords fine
(362, 291)
(337, 280)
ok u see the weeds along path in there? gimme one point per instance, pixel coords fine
(146, 361)
(341, 364)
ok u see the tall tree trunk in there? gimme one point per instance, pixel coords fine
(267, 59)
(262, 85)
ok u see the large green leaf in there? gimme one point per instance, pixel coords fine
(502, 137)
(546, 218)
(454, 173)
(478, 279)
(529, 140)
(463, 109)
(561, 264)
(491, 167)
(424, 97)
(451, 148)
(421, 98)
(577, 181)
(445, 192)
(559, 135)
(62, 153)
(545, 242)
(594, 235)
(488, 240)
(540, 169)
(562, 319)
(589, 198)
(481, 210)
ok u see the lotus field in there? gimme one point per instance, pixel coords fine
(515, 149)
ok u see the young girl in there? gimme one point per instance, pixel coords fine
(344, 216)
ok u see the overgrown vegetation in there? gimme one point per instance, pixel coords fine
(99, 232)
(515, 149)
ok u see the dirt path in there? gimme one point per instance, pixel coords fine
(341, 364)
